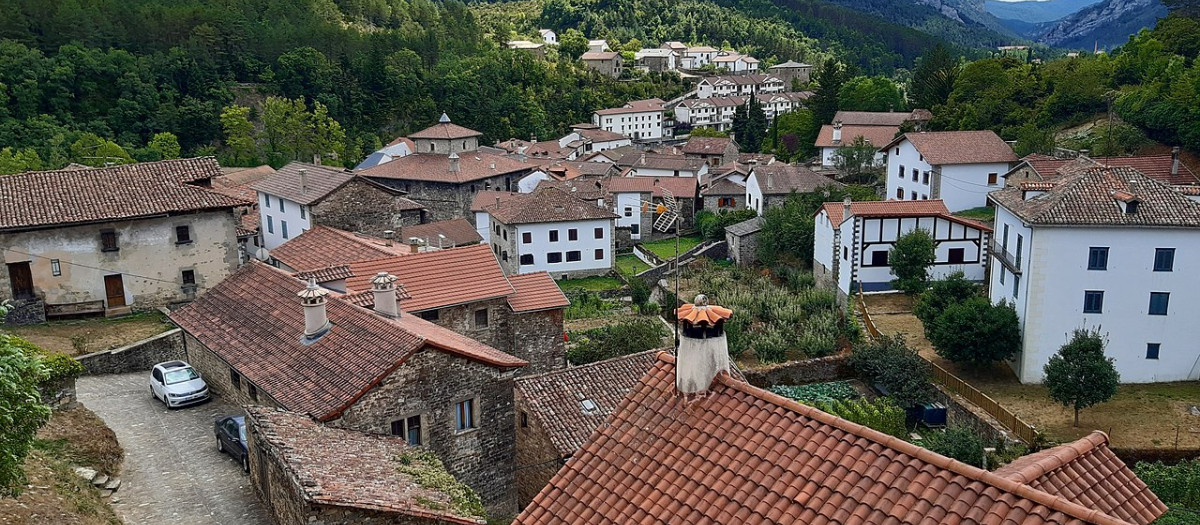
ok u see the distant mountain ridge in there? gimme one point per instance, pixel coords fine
(1105, 25)
(1035, 11)
(963, 22)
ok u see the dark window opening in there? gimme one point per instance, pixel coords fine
(554, 257)
(1164, 259)
(429, 315)
(235, 378)
(183, 235)
(526, 259)
(1093, 302)
(253, 391)
(573, 234)
(1098, 258)
(879, 258)
(1152, 350)
(481, 318)
(526, 238)
(1158, 303)
(599, 233)
(574, 256)
(189, 277)
(553, 235)
(957, 255)
(108, 241)
(599, 254)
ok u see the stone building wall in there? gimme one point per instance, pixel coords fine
(135, 357)
(712, 202)
(430, 384)
(217, 374)
(818, 370)
(149, 259)
(537, 460)
(743, 249)
(1025, 174)
(537, 337)
(360, 206)
(461, 319)
(445, 201)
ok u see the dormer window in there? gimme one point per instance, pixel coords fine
(1131, 207)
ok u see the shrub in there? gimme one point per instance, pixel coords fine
(1079, 375)
(735, 335)
(61, 367)
(954, 289)
(976, 332)
(639, 291)
(712, 225)
(587, 304)
(429, 472)
(959, 443)
(770, 346)
(629, 337)
(1174, 484)
(820, 334)
(910, 259)
(815, 393)
(881, 414)
(890, 364)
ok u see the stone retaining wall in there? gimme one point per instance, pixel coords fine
(59, 395)
(819, 370)
(962, 413)
(135, 357)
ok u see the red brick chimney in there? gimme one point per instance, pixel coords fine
(703, 351)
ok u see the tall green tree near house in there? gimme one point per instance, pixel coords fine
(1080, 375)
(871, 94)
(856, 162)
(750, 126)
(830, 77)
(934, 78)
(239, 136)
(572, 43)
(976, 332)
(910, 260)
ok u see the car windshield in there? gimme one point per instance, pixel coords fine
(180, 375)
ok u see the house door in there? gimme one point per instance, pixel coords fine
(21, 278)
(114, 290)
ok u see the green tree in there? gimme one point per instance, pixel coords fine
(976, 332)
(957, 442)
(890, 363)
(93, 150)
(792, 135)
(572, 44)
(942, 294)
(1080, 375)
(629, 337)
(21, 410)
(239, 136)
(704, 131)
(830, 77)
(870, 94)
(18, 161)
(910, 259)
(856, 162)
(750, 126)
(934, 77)
(164, 146)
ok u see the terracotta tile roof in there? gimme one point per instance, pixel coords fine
(872, 118)
(535, 291)
(1045, 165)
(146, 189)
(636, 106)
(739, 454)
(790, 64)
(922, 208)
(1086, 472)
(714, 101)
(569, 170)
(487, 198)
(743, 80)
(361, 472)
(324, 275)
(877, 136)
(958, 147)
(660, 161)
(444, 130)
(473, 165)
(248, 223)
(781, 179)
(439, 278)
(546, 204)
(760, 158)
(724, 187)
(706, 145)
(680, 187)
(457, 232)
(1089, 197)
(1157, 167)
(589, 188)
(555, 398)
(322, 246)
(599, 55)
(321, 181)
(600, 135)
(452, 342)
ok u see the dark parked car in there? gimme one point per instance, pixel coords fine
(231, 439)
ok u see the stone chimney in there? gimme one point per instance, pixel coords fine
(1175, 160)
(454, 162)
(316, 322)
(837, 132)
(846, 213)
(383, 287)
(303, 180)
(317, 159)
(703, 351)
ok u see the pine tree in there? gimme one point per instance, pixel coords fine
(934, 77)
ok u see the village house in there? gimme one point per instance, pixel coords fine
(769, 186)
(781, 102)
(1168, 169)
(727, 192)
(561, 171)
(111, 240)
(742, 239)
(692, 444)
(640, 120)
(791, 72)
(557, 411)
(548, 36)
(236, 183)
(535, 48)
(629, 198)
(958, 167)
(300, 195)
(301, 479)
(852, 243)
(701, 55)
(715, 112)
(916, 118)
(551, 230)
(715, 151)
(646, 164)
(598, 46)
(1104, 248)
(833, 137)
(736, 62)
(440, 235)
(608, 63)
(739, 85)
(379, 371)
(448, 169)
(399, 147)
(461, 289)
(657, 59)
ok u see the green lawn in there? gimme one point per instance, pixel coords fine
(666, 247)
(630, 265)
(591, 284)
(982, 213)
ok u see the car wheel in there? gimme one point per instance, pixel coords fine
(246, 463)
(220, 445)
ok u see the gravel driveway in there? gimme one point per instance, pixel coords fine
(172, 471)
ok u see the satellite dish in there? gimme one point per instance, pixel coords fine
(262, 254)
(668, 212)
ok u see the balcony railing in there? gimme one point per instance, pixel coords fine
(1010, 261)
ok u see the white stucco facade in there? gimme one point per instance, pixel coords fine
(962, 186)
(629, 212)
(1053, 275)
(281, 219)
(754, 195)
(640, 125)
(594, 252)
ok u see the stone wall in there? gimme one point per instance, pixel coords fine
(962, 413)
(135, 357)
(712, 202)
(220, 378)
(443, 200)
(430, 384)
(59, 395)
(743, 249)
(25, 312)
(537, 337)
(365, 207)
(537, 458)
(819, 370)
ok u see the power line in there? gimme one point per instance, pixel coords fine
(81, 265)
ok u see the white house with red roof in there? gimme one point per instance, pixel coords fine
(1106, 248)
(639, 119)
(551, 230)
(958, 167)
(853, 240)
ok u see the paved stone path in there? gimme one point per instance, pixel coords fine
(172, 473)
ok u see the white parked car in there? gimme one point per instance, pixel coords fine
(177, 384)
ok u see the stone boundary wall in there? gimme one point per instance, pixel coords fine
(59, 395)
(135, 357)
(819, 370)
(963, 413)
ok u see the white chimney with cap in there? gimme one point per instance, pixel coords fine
(703, 351)
(383, 287)
(837, 132)
(846, 213)
(316, 322)
(454, 162)
(1175, 160)
(303, 180)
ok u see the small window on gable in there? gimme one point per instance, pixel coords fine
(55, 267)
(183, 234)
(900, 193)
(253, 391)
(956, 255)
(189, 277)
(598, 233)
(526, 237)
(408, 428)
(524, 419)
(464, 415)
(235, 378)
(993, 178)
(429, 315)
(1164, 259)
(1098, 258)
(573, 234)
(302, 213)
(481, 318)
